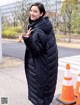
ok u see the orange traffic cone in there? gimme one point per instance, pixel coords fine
(67, 96)
(78, 98)
(20, 39)
(77, 85)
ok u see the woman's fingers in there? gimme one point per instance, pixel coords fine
(29, 31)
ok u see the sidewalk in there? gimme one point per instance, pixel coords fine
(13, 84)
(69, 45)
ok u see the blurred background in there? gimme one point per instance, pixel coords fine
(64, 15)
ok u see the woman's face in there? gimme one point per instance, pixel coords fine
(35, 13)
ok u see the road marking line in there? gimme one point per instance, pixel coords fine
(74, 62)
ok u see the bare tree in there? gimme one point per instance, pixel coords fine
(67, 12)
(15, 20)
(22, 11)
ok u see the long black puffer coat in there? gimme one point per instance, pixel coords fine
(41, 62)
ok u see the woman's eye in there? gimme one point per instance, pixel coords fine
(35, 11)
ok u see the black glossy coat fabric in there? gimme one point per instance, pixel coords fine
(41, 62)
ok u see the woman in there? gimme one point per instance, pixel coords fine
(41, 57)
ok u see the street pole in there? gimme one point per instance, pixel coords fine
(0, 39)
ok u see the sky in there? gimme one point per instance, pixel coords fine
(3, 2)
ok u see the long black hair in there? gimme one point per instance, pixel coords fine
(40, 7)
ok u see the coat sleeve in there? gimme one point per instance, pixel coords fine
(36, 42)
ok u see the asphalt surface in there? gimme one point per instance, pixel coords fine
(66, 52)
(15, 49)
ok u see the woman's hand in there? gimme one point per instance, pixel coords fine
(28, 33)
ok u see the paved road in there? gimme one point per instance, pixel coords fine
(67, 52)
(18, 50)
(13, 49)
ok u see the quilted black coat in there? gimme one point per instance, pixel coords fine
(41, 62)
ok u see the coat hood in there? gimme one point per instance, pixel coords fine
(43, 24)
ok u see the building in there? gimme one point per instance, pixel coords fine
(53, 5)
(8, 10)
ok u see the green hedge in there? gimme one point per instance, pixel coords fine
(11, 32)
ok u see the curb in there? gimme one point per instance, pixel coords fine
(69, 45)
